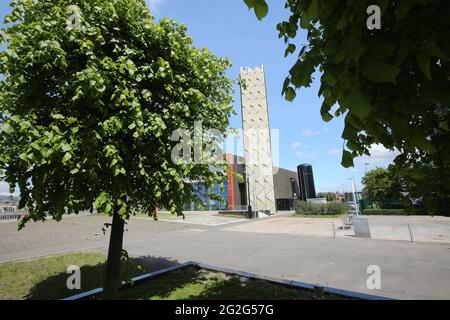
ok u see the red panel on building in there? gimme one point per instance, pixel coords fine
(230, 160)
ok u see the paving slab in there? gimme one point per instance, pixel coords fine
(423, 228)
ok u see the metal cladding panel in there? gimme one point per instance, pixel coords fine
(231, 196)
(257, 144)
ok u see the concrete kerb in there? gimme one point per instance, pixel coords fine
(139, 280)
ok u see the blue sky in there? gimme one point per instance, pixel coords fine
(229, 29)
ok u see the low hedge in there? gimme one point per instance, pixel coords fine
(329, 208)
(389, 212)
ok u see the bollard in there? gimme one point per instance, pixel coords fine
(249, 212)
(334, 229)
(410, 232)
(361, 227)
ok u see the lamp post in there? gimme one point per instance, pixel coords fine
(354, 196)
(294, 194)
(365, 165)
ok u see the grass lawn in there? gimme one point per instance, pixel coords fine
(318, 216)
(45, 278)
(192, 284)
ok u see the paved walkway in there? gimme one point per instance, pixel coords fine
(423, 228)
(408, 270)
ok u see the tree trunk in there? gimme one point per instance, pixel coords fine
(113, 267)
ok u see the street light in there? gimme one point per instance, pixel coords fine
(354, 196)
(294, 194)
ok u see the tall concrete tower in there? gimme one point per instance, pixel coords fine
(257, 144)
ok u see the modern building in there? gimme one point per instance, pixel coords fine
(306, 182)
(235, 190)
(257, 142)
(265, 187)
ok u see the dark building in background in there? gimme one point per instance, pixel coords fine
(286, 188)
(306, 182)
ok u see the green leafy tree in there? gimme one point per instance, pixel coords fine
(92, 91)
(330, 196)
(390, 84)
(381, 184)
(426, 182)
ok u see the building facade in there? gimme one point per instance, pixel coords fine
(234, 193)
(263, 186)
(257, 142)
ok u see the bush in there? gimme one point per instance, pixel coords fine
(389, 212)
(329, 208)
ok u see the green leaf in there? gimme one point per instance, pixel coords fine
(377, 71)
(290, 94)
(301, 73)
(23, 156)
(66, 147)
(286, 83)
(57, 116)
(424, 61)
(403, 7)
(347, 159)
(7, 127)
(435, 51)
(326, 116)
(66, 157)
(349, 132)
(15, 118)
(358, 104)
(108, 209)
(290, 50)
(122, 210)
(418, 140)
(260, 6)
(114, 162)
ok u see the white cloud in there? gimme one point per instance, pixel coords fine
(155, 5)
(305, 155)
(335, 152)
(379, 155)
(297, 145)
(310, 133)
